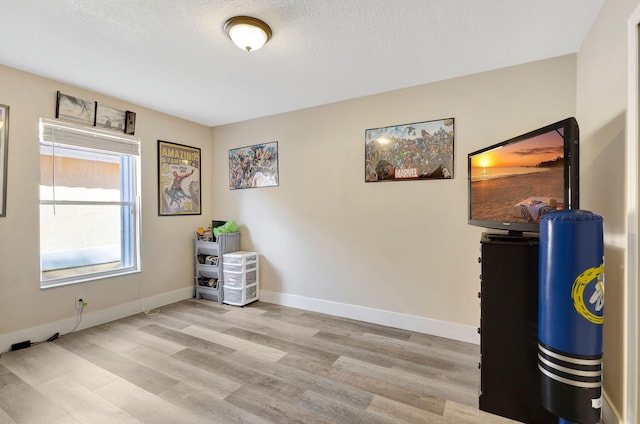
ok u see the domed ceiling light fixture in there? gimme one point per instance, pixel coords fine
(247, 33)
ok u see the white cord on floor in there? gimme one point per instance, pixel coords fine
(79, 317)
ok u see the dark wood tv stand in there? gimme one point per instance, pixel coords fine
(509, 380)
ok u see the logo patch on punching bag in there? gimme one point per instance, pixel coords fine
(588, 294)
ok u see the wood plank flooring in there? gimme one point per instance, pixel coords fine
(201, 362)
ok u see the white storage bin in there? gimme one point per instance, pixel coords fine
(239, 279)
(242, 296)
(209, 288)
(207, 248)
(208, 263)
(240, 268)
(240, 257)
(209, 271)
(211, 294)
(207, 259)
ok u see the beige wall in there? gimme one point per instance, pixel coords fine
(601, 108)
(166, 241)
(403, 247)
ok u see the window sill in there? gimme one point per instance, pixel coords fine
(49, 284)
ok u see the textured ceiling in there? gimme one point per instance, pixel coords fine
(173, 56)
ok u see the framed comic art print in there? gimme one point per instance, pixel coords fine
(179, 171)
(253, 166)
(418, 151)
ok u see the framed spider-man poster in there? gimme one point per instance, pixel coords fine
(178, 179)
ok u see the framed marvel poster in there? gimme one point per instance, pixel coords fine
(418, 151)
(178, 179)
(253, 166)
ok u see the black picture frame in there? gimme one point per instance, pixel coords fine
(4, 151)
(417, 151)
(130, 123)
(179, 179)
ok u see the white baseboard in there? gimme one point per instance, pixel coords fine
(449, 330)
(609, 414)
(434, 327)
(90, 319)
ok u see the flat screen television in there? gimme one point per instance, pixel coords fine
(514, 182)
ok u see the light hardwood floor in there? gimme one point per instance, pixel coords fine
(201, 362)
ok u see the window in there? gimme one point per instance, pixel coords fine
(89, 204)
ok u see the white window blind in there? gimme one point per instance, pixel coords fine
(89, 203)
(57, 132)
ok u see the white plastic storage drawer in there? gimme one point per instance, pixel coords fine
(242, 296)
(240, 268)
(240, 257)
(239, 279)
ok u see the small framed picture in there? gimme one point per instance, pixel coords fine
(110, 118)
(130, 125)
(75, 109)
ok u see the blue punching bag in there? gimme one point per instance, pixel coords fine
(570, 314)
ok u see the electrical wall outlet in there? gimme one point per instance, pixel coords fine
(80, 303)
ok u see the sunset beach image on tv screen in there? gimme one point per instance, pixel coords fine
(520, 181)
